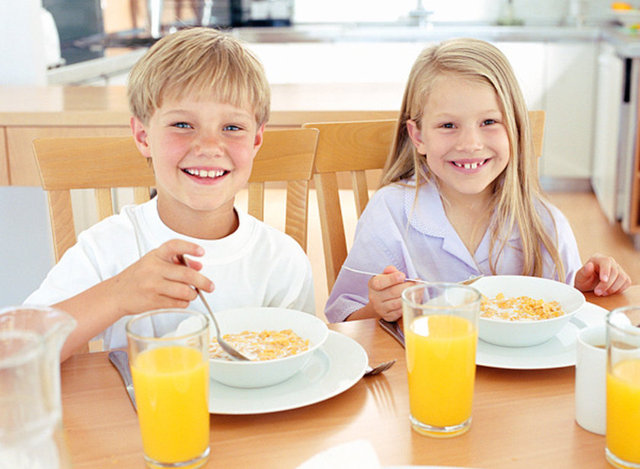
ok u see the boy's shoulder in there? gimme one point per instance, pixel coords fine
(122, 222)
(119, 234)
(265, 234)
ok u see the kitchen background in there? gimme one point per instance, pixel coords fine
(570, 58)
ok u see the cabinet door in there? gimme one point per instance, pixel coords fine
(607, 129)
(569, 101)
(23, 170)
(528, 62)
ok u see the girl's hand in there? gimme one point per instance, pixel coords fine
(602, 275)
(384, 293)
(159, 280)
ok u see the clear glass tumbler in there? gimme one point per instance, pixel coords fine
(623, 387)
(441, 333)
(168, 352)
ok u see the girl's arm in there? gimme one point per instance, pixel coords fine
(602, 275)
(384, 296)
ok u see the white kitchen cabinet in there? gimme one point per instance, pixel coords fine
(554, 77)
(606, 133)
(570, 70)
(382, 62)
(337, 62)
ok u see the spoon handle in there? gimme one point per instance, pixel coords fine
(225, 346)
(183, 261)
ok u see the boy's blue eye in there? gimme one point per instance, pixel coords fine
(182, 125)
(231, 127)
(448, 125)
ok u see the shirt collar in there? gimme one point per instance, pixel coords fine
(427, 215)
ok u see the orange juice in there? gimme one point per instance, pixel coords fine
(623, 410)
(172, 388)
(441, 353)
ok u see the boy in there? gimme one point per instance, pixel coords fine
(199, 102)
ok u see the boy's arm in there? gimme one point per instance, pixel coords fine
(156, 281)
(94, 310)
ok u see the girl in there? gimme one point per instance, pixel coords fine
(459, 195)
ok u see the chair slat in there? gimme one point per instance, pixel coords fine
(331, 226)
(141, 195)
(62, 225)
(360, 190)
(256, 200)
(104, 203)
(297, 210)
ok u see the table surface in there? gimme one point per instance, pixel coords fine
(521, 418)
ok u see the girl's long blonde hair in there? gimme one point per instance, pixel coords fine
(517, 192)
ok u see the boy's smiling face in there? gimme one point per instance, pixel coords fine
(202, 153)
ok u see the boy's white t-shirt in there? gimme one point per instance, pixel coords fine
(257, 265)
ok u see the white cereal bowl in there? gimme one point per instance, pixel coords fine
(256, 374)
(526, 333)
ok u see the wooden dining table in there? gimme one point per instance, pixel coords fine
(521, 418)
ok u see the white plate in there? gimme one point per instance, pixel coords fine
(334, 368)
(558, 352)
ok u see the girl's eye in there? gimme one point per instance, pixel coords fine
(182, 125)
(448, 125)
(488, 121)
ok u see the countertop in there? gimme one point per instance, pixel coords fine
(120, 60)
(396, 32)
(291, 104)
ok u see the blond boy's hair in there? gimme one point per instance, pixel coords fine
(203, 63)
(517, 192)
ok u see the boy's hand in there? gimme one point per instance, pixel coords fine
(159, 280)
(384, 293)
(602, 275)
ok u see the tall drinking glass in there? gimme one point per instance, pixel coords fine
(168, 352)
(623, 387)
(441, 331)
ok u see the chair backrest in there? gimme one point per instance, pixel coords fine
(356, 147)
(286, 155)
(106, 163)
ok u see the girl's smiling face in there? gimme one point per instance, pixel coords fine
(202, 153)
(463, 135)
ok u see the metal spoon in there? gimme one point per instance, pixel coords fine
(468, 281)
(376, 370)
(225, 345)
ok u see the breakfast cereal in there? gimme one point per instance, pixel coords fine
(262, 345)
(521, 308)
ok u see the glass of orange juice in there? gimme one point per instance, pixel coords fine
(168, 355)
(441, 333)
(623, 387)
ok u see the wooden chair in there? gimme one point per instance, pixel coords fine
(106, 163)
(356, 147)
